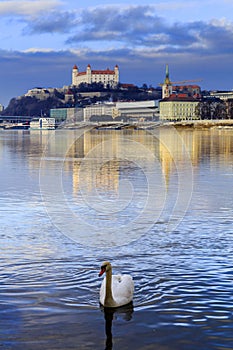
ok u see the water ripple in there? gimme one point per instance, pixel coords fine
(50, 287)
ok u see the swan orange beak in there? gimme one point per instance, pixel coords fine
(102, 271)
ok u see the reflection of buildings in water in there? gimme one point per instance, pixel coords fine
(104, 154)
(98, 167)
(167, 146)
(222, 147)
(181, 147)
(101, 151)
(174, 153)
(166, 161)
(213, 145)
(174, 149)
(28, 145)
(44, 144)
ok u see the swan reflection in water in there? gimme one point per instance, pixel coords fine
(125, 312)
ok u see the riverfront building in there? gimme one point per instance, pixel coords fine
(137, 110)
(223, 95)
(67, 114)
(169, 87)
(134, 111)
(98, 109)
(178, 102)
(178, 107)
(107, 77)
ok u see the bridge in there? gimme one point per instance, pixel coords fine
(15, 119)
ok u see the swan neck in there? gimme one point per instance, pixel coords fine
(109, 301)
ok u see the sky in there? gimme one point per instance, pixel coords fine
(41, 40)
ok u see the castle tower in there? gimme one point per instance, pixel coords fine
(88, 72)
(167, 85)
(117, 78)
(74, 75)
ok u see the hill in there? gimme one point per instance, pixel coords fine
(86, 94)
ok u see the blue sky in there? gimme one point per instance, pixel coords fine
(41, 40)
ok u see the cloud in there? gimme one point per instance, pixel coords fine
(137, 26)
(117, 24)
(135, 37)
(52, 22)
(140, 26)
(26, 8)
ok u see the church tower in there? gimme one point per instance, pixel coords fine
(167, 85)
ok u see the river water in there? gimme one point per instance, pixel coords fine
(157, 204)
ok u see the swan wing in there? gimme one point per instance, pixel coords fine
(122, 289)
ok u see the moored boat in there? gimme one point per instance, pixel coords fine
(42, 124)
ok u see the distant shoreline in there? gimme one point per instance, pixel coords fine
(195, 124)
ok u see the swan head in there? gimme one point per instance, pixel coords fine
(105, 267)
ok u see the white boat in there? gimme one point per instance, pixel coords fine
(42, 124)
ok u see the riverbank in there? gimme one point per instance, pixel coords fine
(224, 123)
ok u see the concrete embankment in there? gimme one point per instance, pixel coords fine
(226, 123)
(203, 123)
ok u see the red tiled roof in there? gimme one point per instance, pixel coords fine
(107, 71)
(125, 85)
(179, 87)
(180, 97)
(69, 92)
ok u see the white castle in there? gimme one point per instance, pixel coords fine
(107, 77)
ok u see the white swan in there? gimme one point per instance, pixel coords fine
(116, 290)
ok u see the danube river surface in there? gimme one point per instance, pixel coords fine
(157, 204)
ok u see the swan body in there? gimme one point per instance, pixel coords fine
(116, 290)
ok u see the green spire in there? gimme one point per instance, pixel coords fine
(167, 80)
(167, 71)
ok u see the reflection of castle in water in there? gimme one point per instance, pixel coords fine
(107, 153)
(110, 151)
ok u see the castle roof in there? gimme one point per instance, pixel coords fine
(106, 71)
(97, 71)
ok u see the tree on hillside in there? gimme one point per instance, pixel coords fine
(31, 106)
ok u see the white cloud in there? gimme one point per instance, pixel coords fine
(26, 8)
(222, 22)
(36, 50)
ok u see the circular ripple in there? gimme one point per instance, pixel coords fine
(104, 218)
